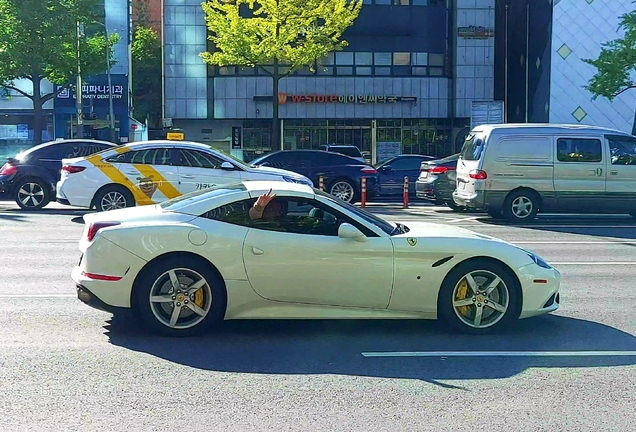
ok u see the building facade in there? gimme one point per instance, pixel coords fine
(95, 94)
(543, 76)
(405, 82)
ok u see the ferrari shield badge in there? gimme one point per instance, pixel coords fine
(412, 241)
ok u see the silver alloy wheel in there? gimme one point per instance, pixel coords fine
(180, 298)
(113, 200)
(343, 190)
(522, 207)
(480, 299)
(31, 194)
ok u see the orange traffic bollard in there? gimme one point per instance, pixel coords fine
(406, 192)
(363, 199)
(321, 183)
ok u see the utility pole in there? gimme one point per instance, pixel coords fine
(111, 111)
(79, 133)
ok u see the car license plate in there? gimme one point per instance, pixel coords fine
(424, 174)
(462, 185)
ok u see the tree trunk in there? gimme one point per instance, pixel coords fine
(634, 124)
(37, 109)
(275, 143)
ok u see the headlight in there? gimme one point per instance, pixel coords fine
(299, 181)
(539, 261)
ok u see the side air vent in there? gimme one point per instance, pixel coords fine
(443, 261)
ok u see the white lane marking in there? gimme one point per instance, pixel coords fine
(38, 296)
(601, 263)
(501, 354)
(464, 219)
(633, 242)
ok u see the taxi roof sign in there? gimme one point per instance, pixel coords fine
(176, 136)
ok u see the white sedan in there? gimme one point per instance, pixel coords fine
(150, 172)
(186, 264)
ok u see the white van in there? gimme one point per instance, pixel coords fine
(517, 170)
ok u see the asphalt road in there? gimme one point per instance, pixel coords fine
(66, 367)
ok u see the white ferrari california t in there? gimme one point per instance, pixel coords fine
(188, 263)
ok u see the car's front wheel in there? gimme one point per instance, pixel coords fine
(343, 189)
(479, 296)
(180, 296)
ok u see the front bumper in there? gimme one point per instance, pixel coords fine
(540, 290)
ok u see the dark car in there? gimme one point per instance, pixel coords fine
(391, 173)
(30, 177)
(437, 181)
(347, 150)
(342, 175)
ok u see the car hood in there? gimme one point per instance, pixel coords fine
(428, 230)
(278, 171)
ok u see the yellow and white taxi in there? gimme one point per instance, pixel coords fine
(150, 172)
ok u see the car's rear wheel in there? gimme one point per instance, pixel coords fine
(479, 296)
(180, 296)
(521, 206)
(344, 190)
(454, 207)
(32, 194)
(113, 198)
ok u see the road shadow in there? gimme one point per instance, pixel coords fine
(12, 217)
(336, 347)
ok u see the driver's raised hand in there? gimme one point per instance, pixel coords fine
(265, 199)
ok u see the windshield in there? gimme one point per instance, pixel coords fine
(347, 151)
(387, 227)
(473, 147)
(236, 160)
(258, 160)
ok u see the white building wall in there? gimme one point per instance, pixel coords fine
(580, 27)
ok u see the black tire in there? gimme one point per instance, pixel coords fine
(515, 200)
(455, 278)
(336, 186)
(184, 266)
(110, 193)
(32, 193)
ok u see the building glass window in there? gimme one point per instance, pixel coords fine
(436, 71)
(256, 139)
(364, 58)
(383, 2)
(420, 59)
(227, 70)
(365, 70)
(344, 70)
(322, 70)
(382, 59)
(436, 59)
(344, 58)
(419, 71)
(401, 2)
(326, 60)
(401, 59)
(419, 2)
(383, 71)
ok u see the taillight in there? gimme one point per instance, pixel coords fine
(478, 175)
(369, 170)
(72, 169)
(438, 170)
(8, 169)
(96, 226)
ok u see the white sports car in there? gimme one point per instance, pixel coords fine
(188, 263)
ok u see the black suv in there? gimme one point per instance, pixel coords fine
(30, 177)
(342, 175)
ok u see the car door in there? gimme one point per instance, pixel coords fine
(621, 173)
(579, 173)
(305, 261)
(202, 170)
(152, 172)
(392, 175)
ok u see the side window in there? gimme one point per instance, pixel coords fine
(156, 156)
(622, 150)
(121, 157)
(579, 150)
(197, 159)
(297, 216)
(55, 152)
(406, 164)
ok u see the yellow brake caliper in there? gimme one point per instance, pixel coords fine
(462, 293)
(198, 297)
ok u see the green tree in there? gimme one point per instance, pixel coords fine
(615, 64)
(39, 41)
(146, 75)
(288, 34)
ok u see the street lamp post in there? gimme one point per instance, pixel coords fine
(111, 111)
(79, 132)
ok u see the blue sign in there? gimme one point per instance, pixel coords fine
(95, 93)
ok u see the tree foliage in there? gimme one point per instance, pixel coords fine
(38, 41)
(615, 63)
(284, 33)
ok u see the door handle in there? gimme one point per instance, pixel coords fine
(257, 251)
(132, 172)
(613, 172)
(187, 176)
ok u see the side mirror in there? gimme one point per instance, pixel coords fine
(227, 166)
(348, 231)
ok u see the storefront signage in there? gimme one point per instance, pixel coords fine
(175, 136)
(475, 32)
(95, 92)
(237, 143)
(284, 98)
